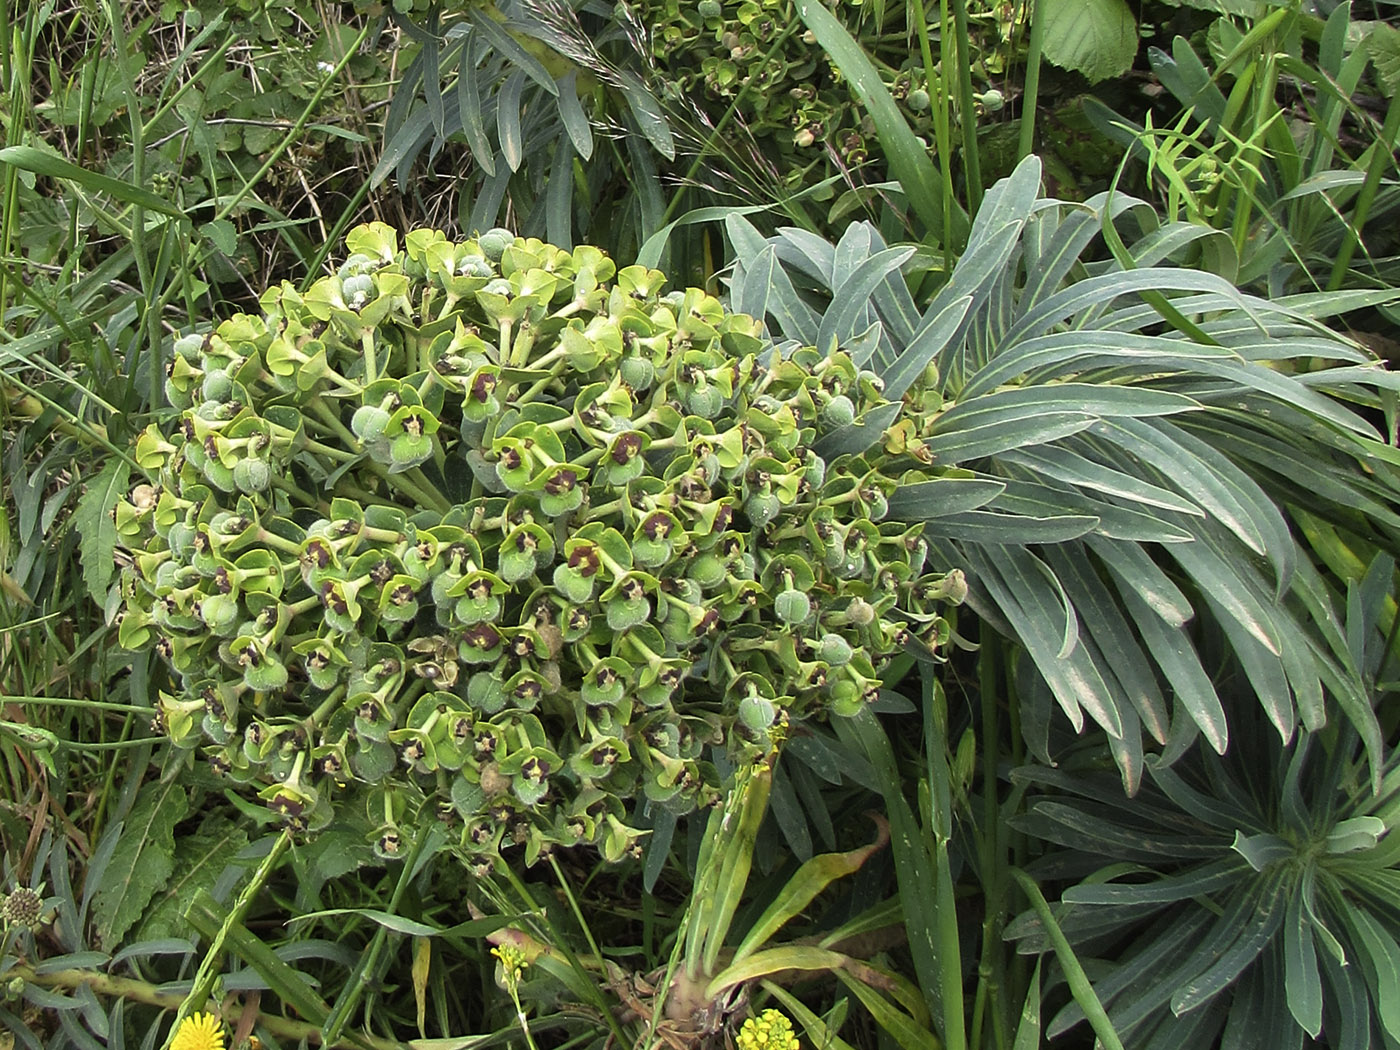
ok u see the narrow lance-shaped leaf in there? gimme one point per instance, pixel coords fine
(29, 158)
(799, 891)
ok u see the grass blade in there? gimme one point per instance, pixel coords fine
(1079, 985)
(28, 158)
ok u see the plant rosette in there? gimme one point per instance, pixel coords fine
(512, 537)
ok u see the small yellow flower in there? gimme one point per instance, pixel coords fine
(199, 1032)
(770, 1030)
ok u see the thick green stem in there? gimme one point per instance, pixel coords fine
(935, 706)
(1035, 46)
(967, 110)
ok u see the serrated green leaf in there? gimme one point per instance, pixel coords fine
(1095, 37)
(143, 859)
(199, 860)
(98, 529)
(1383, 46)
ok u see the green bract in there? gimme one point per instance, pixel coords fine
(497, 532)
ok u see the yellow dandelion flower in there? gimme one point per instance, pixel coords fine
(770, 1030)
(199, 1032)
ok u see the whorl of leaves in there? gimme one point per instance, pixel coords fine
(500, 533)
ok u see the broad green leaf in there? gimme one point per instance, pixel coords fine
(98, 529)
(991, 528)
(1212, 878)
(1167, 950)
(1105, 623)
(1263, 850)
(559, 196)
(1095, 293)
(1213, 493)
(1010, 202)
(1066, 465)
(1095, 37)
(658, 847)
(1171, 648)
(998, 428)
(932, 339)
(1382, 43)
(222, 234)
(1350, 1029)
(405, 144)
(1134, 569)
(143, 859)
(766, 289)
(771, 961)
(787, 811)
(1381, 957)
(40, 162)
(1034, 609)
(1068, 353)
(856, 437)
(852, 251)
(1035, 498)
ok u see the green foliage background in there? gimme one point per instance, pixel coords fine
(1112, 310)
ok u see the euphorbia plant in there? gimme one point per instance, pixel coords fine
(503, 528)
